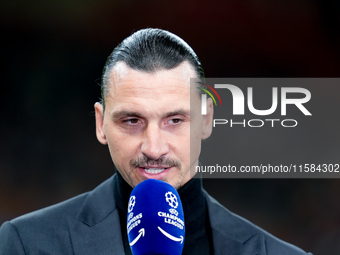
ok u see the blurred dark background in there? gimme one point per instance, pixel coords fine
(52, 54)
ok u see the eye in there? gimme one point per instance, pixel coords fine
(175, 121)
(131, 121)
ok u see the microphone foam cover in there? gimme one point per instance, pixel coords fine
(155, 222)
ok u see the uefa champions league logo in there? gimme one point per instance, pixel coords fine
(132, 203)
(171, 199)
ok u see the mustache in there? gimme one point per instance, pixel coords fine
(162, 161)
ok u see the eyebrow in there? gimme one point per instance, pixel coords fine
(125, 113)
(182, 112)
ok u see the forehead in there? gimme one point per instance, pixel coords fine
(125, 80)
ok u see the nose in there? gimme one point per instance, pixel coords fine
(154, 143)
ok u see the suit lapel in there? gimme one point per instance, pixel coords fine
(233, 235)
(96, 228)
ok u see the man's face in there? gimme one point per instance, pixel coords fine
(146, 124)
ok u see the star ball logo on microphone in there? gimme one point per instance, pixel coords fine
(132, 203)
(171, 199)
(238, 105)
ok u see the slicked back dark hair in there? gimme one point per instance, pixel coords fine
(150, 50)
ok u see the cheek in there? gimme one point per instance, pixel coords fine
(181, 150)
(195, 143)
(195, 149)
(122, 148)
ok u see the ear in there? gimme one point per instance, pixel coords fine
(208, 119)
(100, 123)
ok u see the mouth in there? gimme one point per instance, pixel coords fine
(154, 170)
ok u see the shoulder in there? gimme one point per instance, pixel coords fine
(43, 228)
(246, 234)
(49, 228)
(53, 215)
(56, 215)
(47, 225)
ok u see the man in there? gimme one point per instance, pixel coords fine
(146, 120)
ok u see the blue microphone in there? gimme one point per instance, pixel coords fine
(155, 222)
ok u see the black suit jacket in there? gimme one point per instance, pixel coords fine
(89, 224)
